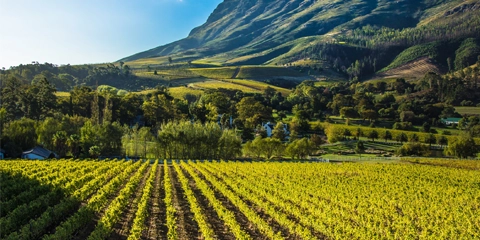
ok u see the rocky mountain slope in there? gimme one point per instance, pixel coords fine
(282, 31)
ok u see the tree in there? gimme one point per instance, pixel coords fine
(293, 135)
(426, 127)
(3, 118)
(413, 149)
(348, 112)
(60, 142)
(271, 147)
(253, 148)
(46, 130)
(462, 147)
(252, 112)
(11, 95)
(359, 148)
(443, 141)
(370, 114)
(96, 109)
(230, 145)
(46, 98)
(145, 137)
(299, 148)
(359, 133)
(247, 134)
(387, 136)
(402, 137)
(373, 135)
(22, 133)
(94, 151)
(407, 116)
(89, 136)
(81, 99)
(170, 60)
(74, 144)
(316, 140)
(346, 133)
(279, 131)
(110, 138)
(334, 133)
(413, 138)
(430, 139)
(159, 109)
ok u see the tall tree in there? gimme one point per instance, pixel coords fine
(60, 142)
(462, 147)
(278, 131)
(11, 95)
(252, 112)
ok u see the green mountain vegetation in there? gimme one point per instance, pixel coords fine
(356, 38)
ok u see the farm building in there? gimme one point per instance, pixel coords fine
(39, 153)
(450, 121)
(270, 126)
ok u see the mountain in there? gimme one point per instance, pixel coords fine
(336, 33)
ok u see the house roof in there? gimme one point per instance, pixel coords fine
(40, 151)
(451, 119)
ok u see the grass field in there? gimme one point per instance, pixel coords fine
(117, 199)
(326, 83)
(171, 74)
(258, 72)
(215, 73)
(180, 92)
(468, 110)
(260, 85)
(62, 94)
(207, 63)
(228, 85)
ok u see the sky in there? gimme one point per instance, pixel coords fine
(93, 31)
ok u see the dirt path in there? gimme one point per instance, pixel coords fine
(187, 228)
(121, 230)
(219, 227)
(235, 74)
(157, 228)
(246, 225)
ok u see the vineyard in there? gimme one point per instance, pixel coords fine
(116, 199)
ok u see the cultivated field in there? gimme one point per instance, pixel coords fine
(414, 69)
(468, 110)
(85, 199)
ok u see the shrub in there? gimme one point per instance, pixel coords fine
(402, 125)
(414, 149)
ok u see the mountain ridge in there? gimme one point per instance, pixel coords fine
(275, 31)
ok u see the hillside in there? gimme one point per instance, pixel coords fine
(414, 69)
(246, 32)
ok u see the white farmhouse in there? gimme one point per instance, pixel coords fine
(270, 126)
